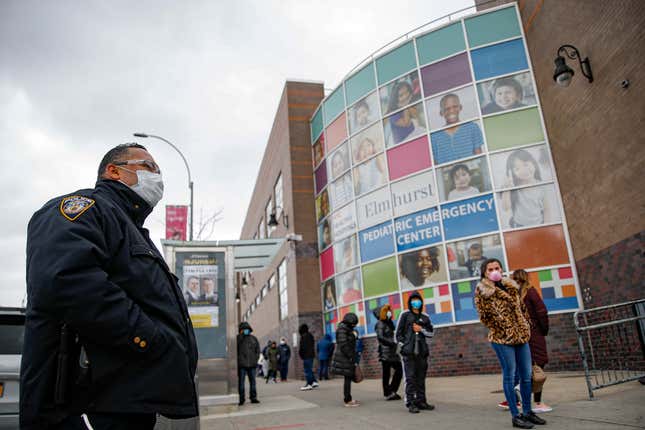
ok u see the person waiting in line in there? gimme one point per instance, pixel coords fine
(248, 352)
(497, 299)
(507, 94)
(265, 356)
(285, 356)
(411, 332)
(273, 355)
(307, 353)
(325, 349)
(359, 347)
(344, 361)
(539, 320)
(387, 355)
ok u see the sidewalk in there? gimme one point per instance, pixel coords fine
(463, 402)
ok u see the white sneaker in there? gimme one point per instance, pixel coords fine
(306, 388)
(315, 384)
(541, 408)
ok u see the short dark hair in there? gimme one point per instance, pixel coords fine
(446, 97)
(116, 154)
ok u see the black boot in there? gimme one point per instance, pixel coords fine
(521, 423)
(425, 406)
(532, 418)
(413, 409)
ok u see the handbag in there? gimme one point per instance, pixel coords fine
(358, 374)
(537, 378)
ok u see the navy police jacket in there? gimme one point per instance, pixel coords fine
(127, 345)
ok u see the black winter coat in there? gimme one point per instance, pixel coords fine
(248, 348)
(307, 347)
(386, 343)
(405, 334)
(92, 266)
(344, 361)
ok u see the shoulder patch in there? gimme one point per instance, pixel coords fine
(73, 206)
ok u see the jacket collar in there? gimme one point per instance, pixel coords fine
(133, 205)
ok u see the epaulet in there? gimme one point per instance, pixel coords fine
(72, 207)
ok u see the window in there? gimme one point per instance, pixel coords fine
(277, 192)
(268, 210)
(258, 300)
(271, 282)
(282, 284)
(265, 291)
(253, 307)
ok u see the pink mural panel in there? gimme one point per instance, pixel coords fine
(327, 264)
(336, 132)
(409, 158)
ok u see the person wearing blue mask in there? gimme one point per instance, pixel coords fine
(411, 332)
(248, 353)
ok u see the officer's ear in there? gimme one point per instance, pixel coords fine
(112, 172)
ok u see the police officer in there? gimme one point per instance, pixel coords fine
(108, 340)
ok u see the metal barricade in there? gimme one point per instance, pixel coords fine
(611, 340)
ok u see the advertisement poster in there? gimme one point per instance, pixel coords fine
(200, 274)
(176, 217)
(202, 278)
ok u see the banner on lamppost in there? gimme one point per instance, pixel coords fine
(176, 218)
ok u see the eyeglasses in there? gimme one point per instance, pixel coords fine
(150, 165)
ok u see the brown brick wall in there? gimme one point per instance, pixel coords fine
(596, 130)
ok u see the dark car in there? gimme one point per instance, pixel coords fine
(12, 329)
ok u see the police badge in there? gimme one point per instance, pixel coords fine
(73, 206)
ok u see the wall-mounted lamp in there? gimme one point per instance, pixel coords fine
(237, 297)
(273, 219)
(563, 74)
(244, 282)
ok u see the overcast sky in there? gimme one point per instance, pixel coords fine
(79, 77)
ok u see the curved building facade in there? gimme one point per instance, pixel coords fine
(429, 159)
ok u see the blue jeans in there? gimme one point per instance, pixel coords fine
(308, 364)
(323, 369)
(515, 359)
(284, 371)
(241, 373)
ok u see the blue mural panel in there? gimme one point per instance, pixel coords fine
(499, 59)
(469, 217)
(417, 229)
(377, 241)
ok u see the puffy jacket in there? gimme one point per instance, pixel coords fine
(285, 353)
(307, 347)
(413, 344)
(325, 347)
(344, 361)
(502, 311)
(248, 347)
(92, 267)
(384, 329)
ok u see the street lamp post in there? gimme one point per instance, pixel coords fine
(190, 181)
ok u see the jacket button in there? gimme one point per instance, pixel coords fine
(143, 344)
(137, 340)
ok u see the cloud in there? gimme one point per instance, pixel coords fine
(77, 78)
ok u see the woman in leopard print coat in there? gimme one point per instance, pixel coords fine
(500, 309)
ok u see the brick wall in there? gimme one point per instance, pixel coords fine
(464, 350)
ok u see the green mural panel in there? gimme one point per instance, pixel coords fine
(360, 83)
(396, 63)
(334, 105)
(380, 278)
(316, 125)
(441, 43)
(492, 27)
(513, 129)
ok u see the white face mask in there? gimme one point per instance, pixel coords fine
(149, 186)
(389, 314)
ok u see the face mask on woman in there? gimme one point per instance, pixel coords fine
(246, 331)
(495, 276)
